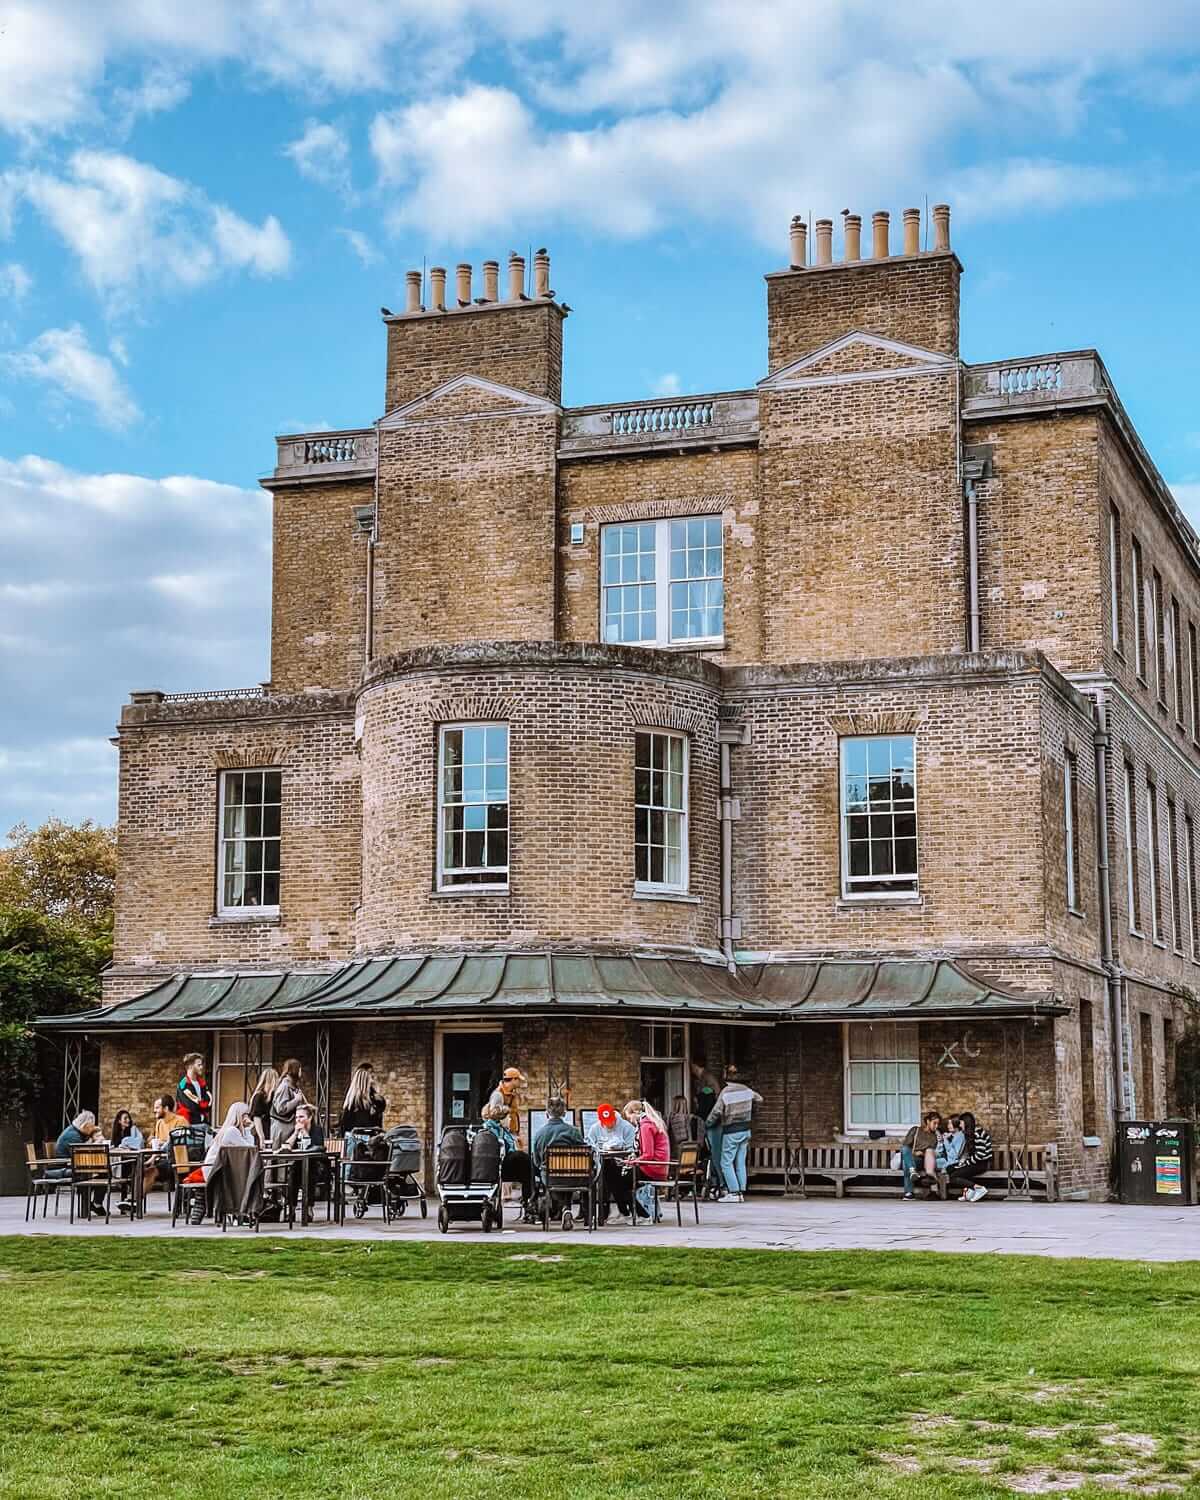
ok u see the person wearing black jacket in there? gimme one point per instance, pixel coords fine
(976, 1159)
(309, 1135)
(363, 1106)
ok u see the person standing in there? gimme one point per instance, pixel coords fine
(507, 1094)
(288, 1096)
(260, 1104)
(363, 1106)
(705, 1088)
(734, 1113)
(193, 1099)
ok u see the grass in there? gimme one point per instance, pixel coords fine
(150, 1368)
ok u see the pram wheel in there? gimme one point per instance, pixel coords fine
(424, 1209)
(567, 1221)
(360, 1206)
(443, 1220)
(485, 1222)
(398, 1207)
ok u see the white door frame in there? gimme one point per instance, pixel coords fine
(440, 1031)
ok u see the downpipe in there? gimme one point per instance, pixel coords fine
(1112, 970)
(726, 794)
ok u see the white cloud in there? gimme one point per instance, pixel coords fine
(64, 360)
(159, 89)
(666, 385)
(168, 587)
(1021, 184)
(361, 245)
(15, 282)
(135, 229)
(322, 154)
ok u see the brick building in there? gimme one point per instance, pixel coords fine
(845, 727)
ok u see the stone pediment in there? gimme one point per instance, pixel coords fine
(467, 397)
(855, 357)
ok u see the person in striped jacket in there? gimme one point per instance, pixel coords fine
(976, 1159)
(733, 1115)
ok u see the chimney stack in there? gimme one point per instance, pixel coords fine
(516, 277)
(853, 235)
(912, 231)
(491, 281)
(880, 223)
(437, 288)
(541, 273)
(412, 301)
(462, 276)
(798, 242)
(941, 226)
(824, 242)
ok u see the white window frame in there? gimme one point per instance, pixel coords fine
(1069, 829)
(1139, 624)
(1152, 857)
(654, 887)
(1132, 864)
(890, 1127)
(1114, 573)
(502, 875)
(852, 886)
(661, 583)
(248, 912)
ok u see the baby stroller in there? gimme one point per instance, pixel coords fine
(400, 1184)
(468, 1177)
(364, 1170)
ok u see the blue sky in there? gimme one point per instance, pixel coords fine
(202, 208)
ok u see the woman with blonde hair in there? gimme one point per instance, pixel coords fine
(260, 1103)
(363, 1106)
(287, 1096)
(653, 1147)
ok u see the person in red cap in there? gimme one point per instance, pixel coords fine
(614, 1140)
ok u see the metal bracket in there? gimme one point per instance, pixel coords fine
(731, 927)
(731, 810)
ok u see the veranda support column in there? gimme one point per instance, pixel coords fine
(72, 1078)
(252, 1062)
(322, 1076)
(1016, 1109)
(794, 1185)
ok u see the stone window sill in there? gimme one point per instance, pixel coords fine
(681, 896)
(1092, 1140)
(262, 917)
(456, 893)
(878, 903)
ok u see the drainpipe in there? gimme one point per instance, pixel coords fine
(729, 733)
(1116, 1015)
(973, 566)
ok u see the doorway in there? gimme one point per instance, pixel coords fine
(664, 1059)
(469, 1070)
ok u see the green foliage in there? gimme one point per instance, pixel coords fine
(311, 1368)
(66, 870)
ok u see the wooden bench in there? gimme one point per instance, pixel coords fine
(867, 1168)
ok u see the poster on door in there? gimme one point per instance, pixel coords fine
(1168, 1177)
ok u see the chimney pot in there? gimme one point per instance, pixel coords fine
(798, 242)
(824, 241)
(413, 291)
(437, 288)
(880, 223)
(541, 273)
(941, 226)
(912, 231)
(462, 276)
(516, 277)
(853, 236)
(491, 281)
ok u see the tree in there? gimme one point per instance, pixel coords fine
(56, 918)
(65, 870)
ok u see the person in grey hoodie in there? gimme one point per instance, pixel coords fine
(733, 1113)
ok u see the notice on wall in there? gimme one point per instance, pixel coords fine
(458, 1109)
(460, 1083)
(1168, 1176)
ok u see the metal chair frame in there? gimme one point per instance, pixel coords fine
(185, 1191)
(686, 1176)
(91, 1168)
(41, 1184)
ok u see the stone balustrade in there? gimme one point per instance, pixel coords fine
(691, 422)
(1040, 381)
(321, 455)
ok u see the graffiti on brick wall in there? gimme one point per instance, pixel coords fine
(964, 1048)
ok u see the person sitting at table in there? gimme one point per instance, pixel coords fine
(125, 1132)
(309, 1135)
(193, 1097)
(557, 1131)
(160, 1167)
(288, 1096)
(516, 1166)
(238, 1130)
(260, 1104)
(653, 1149)
(613, 1139)
(363, 1106)
(82, 1131)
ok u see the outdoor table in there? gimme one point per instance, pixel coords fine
(135, 1157)
(305, 1158)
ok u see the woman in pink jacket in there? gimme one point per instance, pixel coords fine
(653, 1147)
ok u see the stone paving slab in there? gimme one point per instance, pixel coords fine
(1095, 1231)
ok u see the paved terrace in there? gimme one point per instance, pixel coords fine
(1095, 1231)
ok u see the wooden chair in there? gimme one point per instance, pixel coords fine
(335, 1150)
(686, 1177)
(569, 1169)
(185, 1192)
(92, 1172)
(41, 1183)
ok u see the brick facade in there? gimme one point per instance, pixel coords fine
(845, 487)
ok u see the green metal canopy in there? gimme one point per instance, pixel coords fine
(566, 984)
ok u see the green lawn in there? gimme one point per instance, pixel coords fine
(200, 1369)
